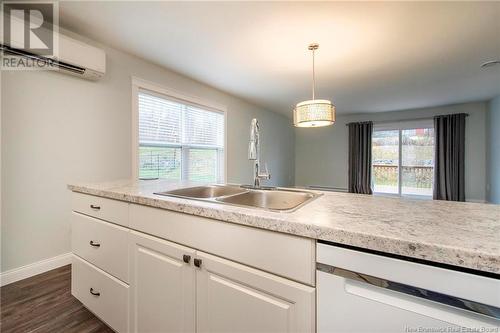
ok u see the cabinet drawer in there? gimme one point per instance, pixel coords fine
(101, 243)
(104, 295)
(106, 209)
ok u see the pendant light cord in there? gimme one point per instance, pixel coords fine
(313, 78)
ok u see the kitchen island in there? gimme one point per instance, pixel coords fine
(145, 262)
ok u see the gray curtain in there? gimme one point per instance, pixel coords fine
(449, 157)
(360, 157)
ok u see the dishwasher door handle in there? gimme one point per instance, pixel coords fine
(426, 302)
(438, 311)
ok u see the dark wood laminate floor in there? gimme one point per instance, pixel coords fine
(44, 303)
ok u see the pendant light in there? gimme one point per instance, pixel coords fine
(315, 112)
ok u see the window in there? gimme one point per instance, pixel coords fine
(403, 159)
(178, 140)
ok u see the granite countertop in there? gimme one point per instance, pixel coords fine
(454, 233)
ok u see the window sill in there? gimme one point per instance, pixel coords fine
(405, 196)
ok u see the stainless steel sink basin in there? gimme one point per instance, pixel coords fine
(275, 199)
(205, 192)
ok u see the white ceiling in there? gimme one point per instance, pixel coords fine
(373, 56)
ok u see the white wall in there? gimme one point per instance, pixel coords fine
(58, 129)
(493, 151)
(321, 154)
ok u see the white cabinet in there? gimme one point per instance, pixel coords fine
(140, 283)
(101, 293)
(100, 243)
(113, 211)
(99, 277)
(236, 298)
(162, 286)
(281, 254)
(170, 292)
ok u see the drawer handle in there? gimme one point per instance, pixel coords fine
(95, 207)
(94, 292)
(186, 258)
(197, 262)
(94, 244)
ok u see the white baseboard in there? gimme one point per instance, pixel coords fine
(476, 200)
(33, 269)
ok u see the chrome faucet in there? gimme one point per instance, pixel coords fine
(254, 154)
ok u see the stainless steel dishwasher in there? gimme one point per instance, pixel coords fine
(364, 292)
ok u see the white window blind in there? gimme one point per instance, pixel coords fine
(178, 140)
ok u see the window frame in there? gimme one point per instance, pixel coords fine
(400, 126)
(168, 93)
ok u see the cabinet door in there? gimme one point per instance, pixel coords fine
(162, 286)
(236, 298)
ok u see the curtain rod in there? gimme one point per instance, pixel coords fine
(395, 121)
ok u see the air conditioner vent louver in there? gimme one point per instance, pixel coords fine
(48, 61)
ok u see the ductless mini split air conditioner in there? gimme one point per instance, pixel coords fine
(72, 56)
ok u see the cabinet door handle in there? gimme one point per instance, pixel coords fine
(95, 293)
(186, 258)
(95, 207)
(197, 262)
(94, 244)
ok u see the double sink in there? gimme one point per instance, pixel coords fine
(275, 199)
